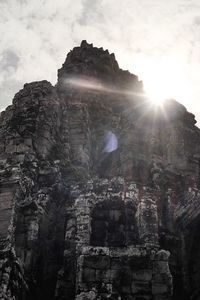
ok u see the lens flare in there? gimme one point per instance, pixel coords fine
(146, 102)
(110, 142)
(86, 83)
(93, 84)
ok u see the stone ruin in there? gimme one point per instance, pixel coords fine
(99, 191)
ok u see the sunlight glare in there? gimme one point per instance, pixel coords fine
(163, 78)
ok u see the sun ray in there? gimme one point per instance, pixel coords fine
(163, 78)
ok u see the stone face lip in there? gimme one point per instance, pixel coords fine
(99, 195)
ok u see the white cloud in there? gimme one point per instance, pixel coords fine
(39, 34)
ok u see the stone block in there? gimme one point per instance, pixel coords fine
(91, 295)
(97, 262)
(116, 263)
(162, 255)
(127, 297)
(126, 289)
(143, 275)
(161, 267)
(115, 275)
(90, 250)
(89, 275)
(162, 297)
(159, 289)
(141, 287)
(143, 297)
(162, 278)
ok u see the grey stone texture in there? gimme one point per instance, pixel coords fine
(79, 222)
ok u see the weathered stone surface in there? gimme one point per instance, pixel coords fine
(99, 197)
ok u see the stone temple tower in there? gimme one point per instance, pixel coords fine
(99, 191)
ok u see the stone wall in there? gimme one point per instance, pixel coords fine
(129, 273)
(115, 238)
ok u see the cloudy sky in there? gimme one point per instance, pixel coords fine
(158, 40)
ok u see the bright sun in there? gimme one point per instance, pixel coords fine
(163, 79)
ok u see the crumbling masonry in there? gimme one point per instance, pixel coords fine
(84, 216)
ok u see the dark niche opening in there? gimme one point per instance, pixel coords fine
(113, 224)
(41, 256)
(198, 180)
(193, 261)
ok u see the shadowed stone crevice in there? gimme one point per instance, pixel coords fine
(114, 224)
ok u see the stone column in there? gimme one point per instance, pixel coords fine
(147, 217)
(162, 278)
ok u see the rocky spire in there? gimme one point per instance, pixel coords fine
(91, 62)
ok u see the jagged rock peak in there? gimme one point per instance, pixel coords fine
(89, 55)
(94, 62)
(30, 95)
(34, 88)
